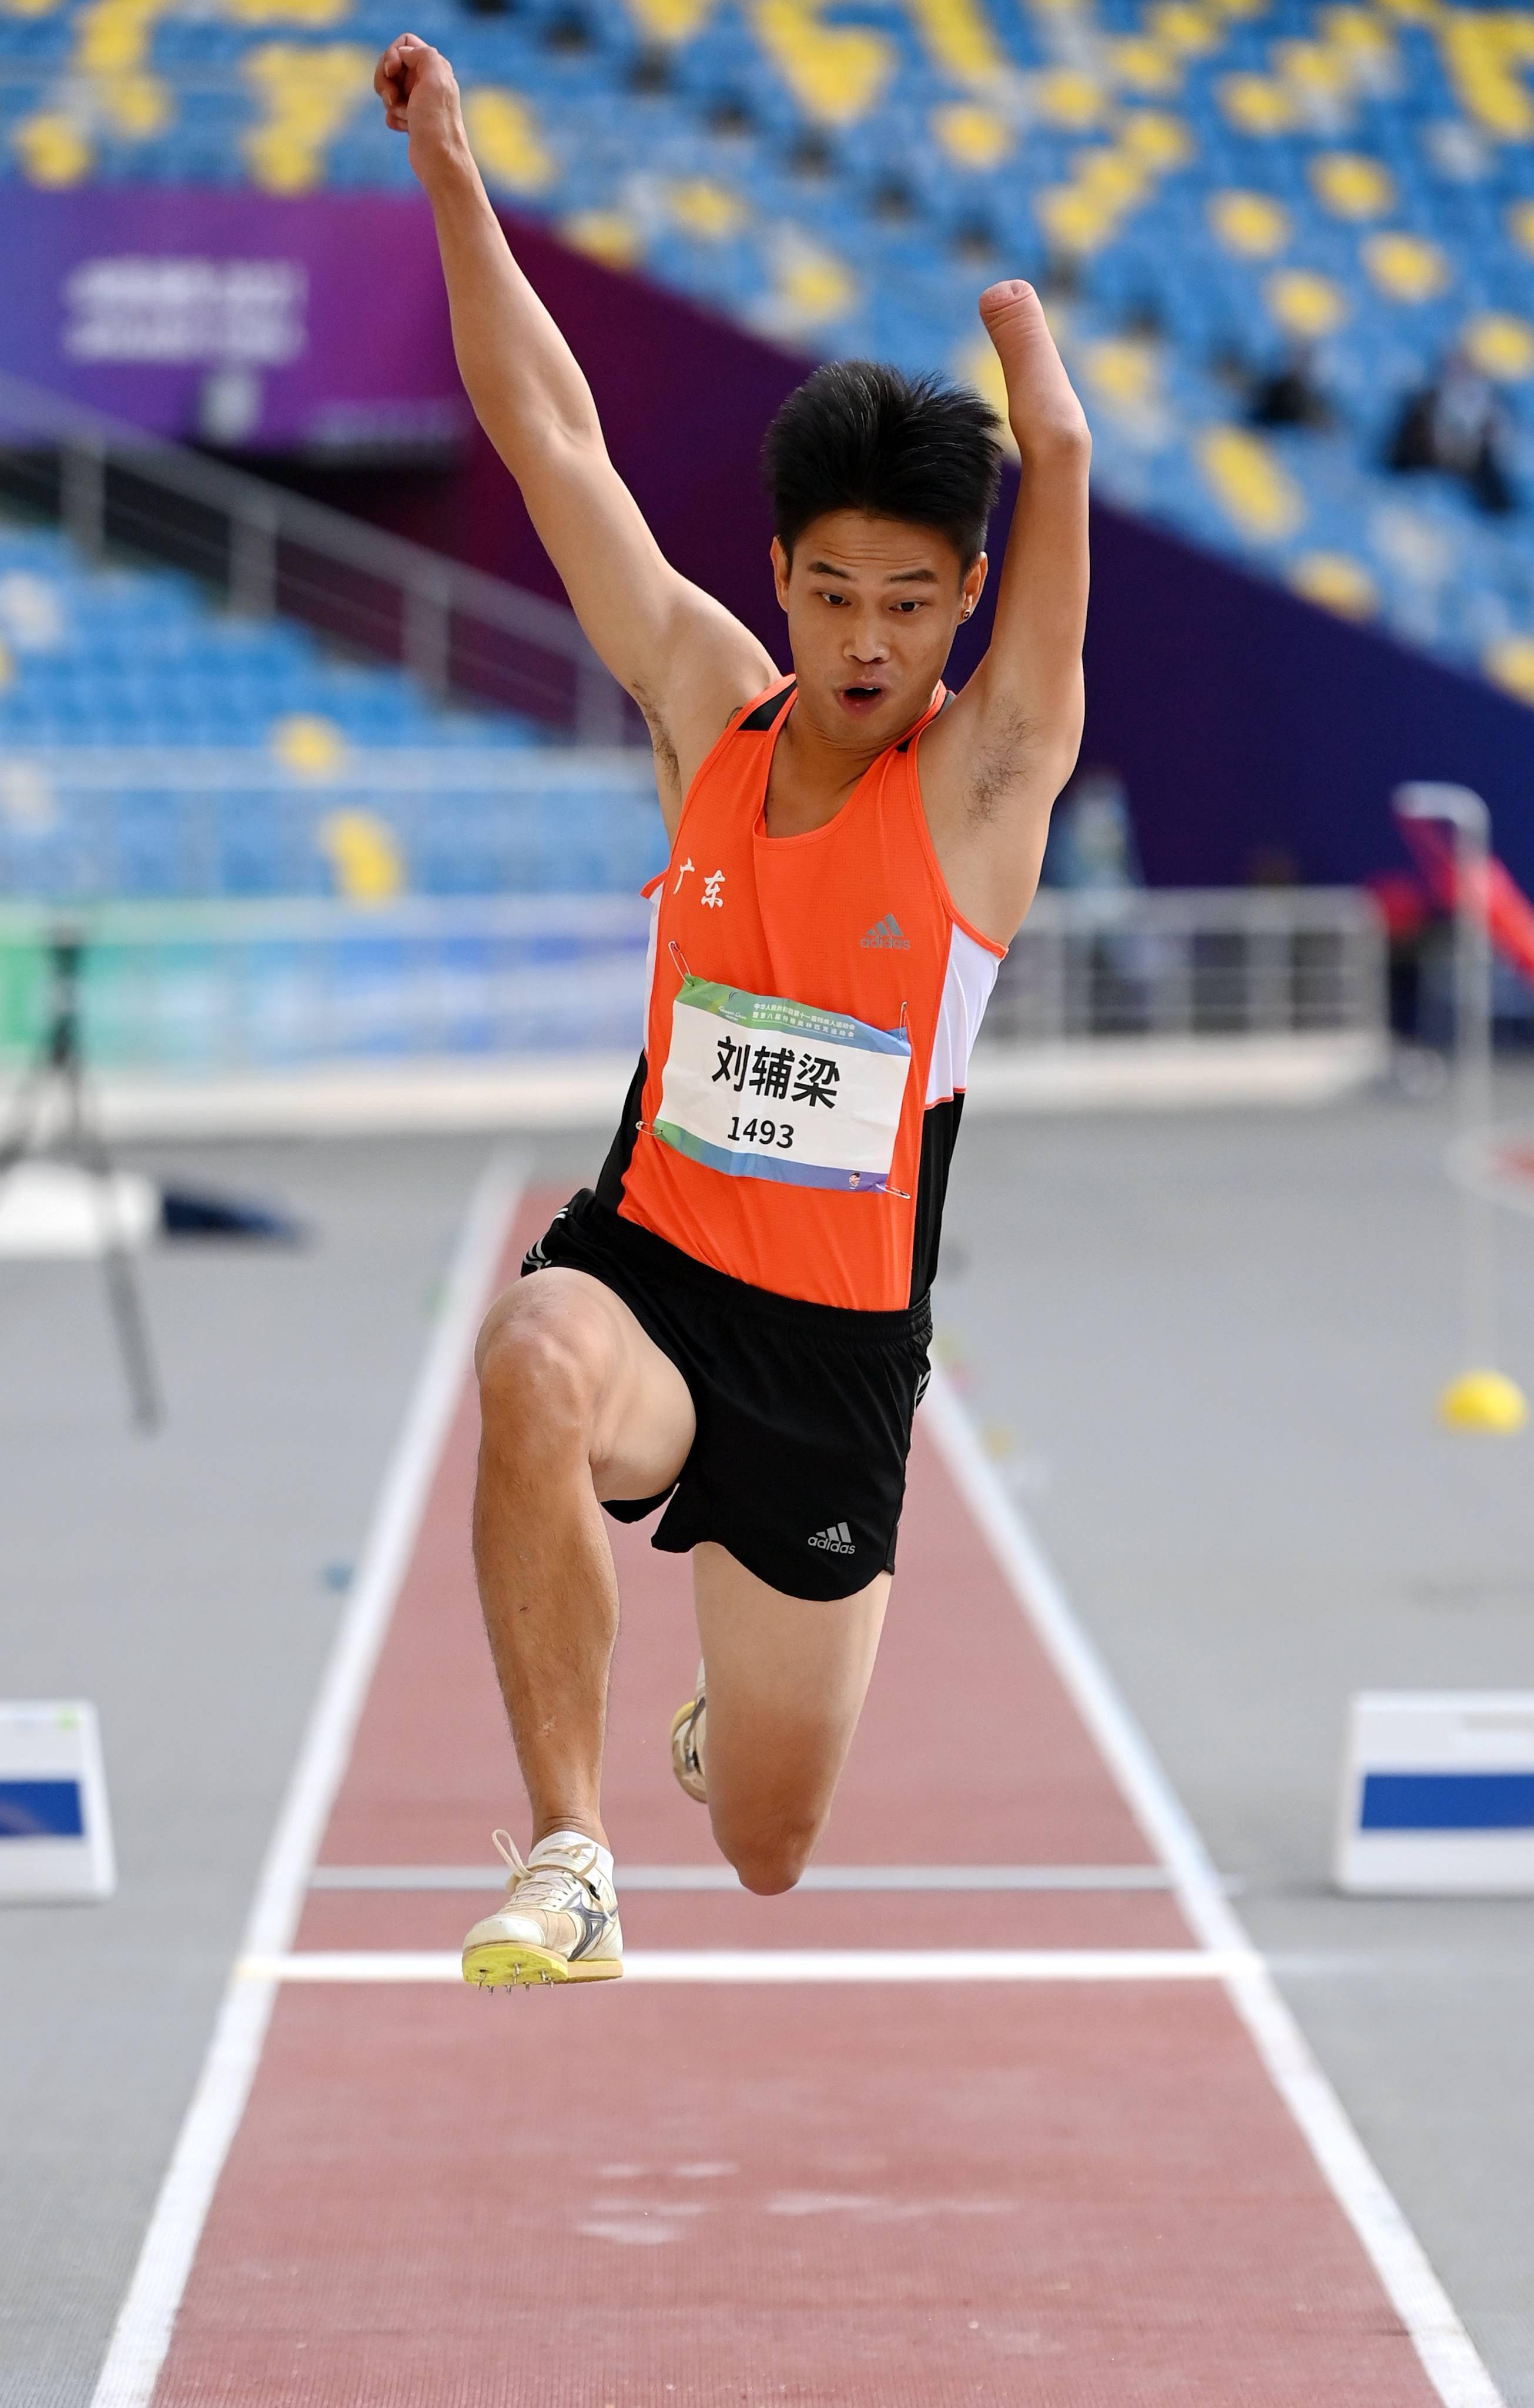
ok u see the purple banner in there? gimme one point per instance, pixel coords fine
(234, 318)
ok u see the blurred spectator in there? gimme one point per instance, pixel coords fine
(1092, 843)
(1456, 422)
(1406, 913)
(1290, 395)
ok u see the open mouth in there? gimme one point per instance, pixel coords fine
(860, 697)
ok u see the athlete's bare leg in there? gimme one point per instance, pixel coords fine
(577, 1405)
(785, 1679)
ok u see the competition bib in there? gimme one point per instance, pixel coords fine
(768, 1089)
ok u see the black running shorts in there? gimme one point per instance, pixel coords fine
(804, 1411)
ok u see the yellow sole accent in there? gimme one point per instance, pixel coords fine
(511, 1965)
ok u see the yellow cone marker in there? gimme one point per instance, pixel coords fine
(1483, 1400)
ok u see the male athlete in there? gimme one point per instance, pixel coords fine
(735, 1323)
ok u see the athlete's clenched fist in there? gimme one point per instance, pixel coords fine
(420, 95)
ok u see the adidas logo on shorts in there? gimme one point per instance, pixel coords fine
(836, 1540)
(887, 933)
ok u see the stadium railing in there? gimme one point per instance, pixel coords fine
(263, 552)
(460, 1001)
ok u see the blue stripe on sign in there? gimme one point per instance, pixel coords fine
(41, 1810)
(1448, 1802)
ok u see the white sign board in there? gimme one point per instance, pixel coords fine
(55, 1835)
(1438, 1793)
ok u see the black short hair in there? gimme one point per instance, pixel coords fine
(857, 435)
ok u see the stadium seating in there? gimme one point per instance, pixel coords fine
(1201, 183)
(132, 673)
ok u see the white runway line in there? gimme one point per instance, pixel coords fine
(798, 1965)
(143, 2329)
(1448, 2355)
(722, 1876)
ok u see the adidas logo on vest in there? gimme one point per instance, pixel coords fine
(886, 932)
(836, 1540)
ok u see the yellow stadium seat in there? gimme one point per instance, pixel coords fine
(1182, 25)
(1313, 70)
(1486, 56)
(1252, 224)
(959, 40)
(1145, 67)
(1511, 664)
(608, 235)
(1124, 373)
(503, 135)
(53, 150)
(1352, 185)
(671, 21)
(1304, 303)
(1256, 104)
(1521, 225)
(311, 13)
(971, 134)
(32, 8)
(1075, 221)
(8, 666)
(837, 73)
(364, 856)
(308, 91)
(1114, 177)
(1502, 345)
(138, 105)
(811, 284)
(1336, 581)
(1161, 140)
(708, 210)
(1070, 97)
(1407, 266)
(308, 744)
(1255, 492)
(978, 367)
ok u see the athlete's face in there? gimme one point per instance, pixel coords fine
(873, 604)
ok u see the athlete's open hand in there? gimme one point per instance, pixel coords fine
(420, 95)
(1040, 404)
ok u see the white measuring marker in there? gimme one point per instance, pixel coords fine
(55, 1835)
(1438, 1792)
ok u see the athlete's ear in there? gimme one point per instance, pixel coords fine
(973, 586)
(780, 567)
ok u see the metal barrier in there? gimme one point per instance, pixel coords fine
(228, 987)
(113, 487)
(1193, 963)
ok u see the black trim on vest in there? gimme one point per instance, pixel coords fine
(907, 741)
(609, 1183)
(767, 714)
(939, 1135)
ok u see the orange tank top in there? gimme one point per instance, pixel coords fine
(812, 1003)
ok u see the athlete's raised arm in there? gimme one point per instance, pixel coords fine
(993, 765)
(685, 659)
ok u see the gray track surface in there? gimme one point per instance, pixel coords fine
(179, 1582)
(1206, 1349)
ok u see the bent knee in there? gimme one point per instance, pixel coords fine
(539, 1375)
(769, 1866)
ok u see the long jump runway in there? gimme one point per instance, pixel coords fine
(1042, 2134)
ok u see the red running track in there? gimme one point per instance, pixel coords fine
(845, 2194)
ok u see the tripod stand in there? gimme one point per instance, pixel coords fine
(57, 1068)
